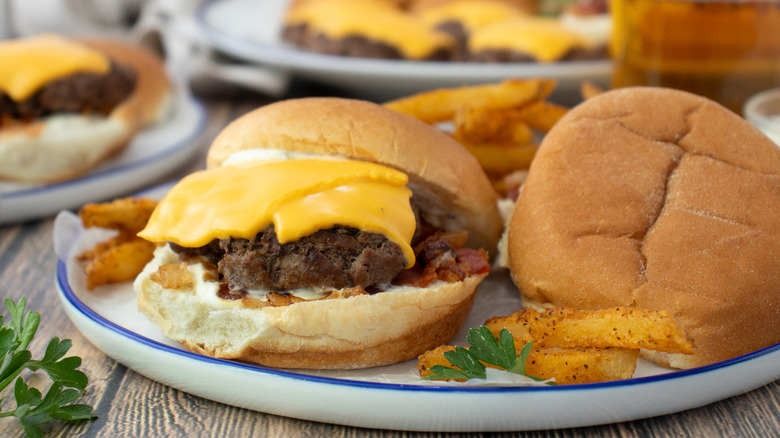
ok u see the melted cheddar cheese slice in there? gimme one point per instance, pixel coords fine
(544, 39)
(297, 196)
(31, 63)
(473, 14)
(375, 20)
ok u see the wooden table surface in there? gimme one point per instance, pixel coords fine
(129, 404)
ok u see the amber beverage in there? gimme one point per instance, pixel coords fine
(724, 50)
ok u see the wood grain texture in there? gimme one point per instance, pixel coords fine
(129, 404)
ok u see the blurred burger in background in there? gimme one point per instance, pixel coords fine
(364, 29)
(455, 30)
(67, 105)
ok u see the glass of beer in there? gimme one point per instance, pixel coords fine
(726, 50)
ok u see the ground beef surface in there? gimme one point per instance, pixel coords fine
(339, 257)
(84, 93)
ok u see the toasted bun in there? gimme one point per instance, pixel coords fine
(447, 181)
(63, 146)
(662, 200)
(346, 333)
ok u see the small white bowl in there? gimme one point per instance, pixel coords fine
(763, 111)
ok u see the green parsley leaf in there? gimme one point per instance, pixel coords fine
(68, 383)
(484, 348)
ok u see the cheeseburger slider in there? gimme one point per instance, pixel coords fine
(325, 233)
(68, 105)
(363, 28)
(661, 200)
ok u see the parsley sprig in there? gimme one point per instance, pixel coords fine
(68, 383)
(484, 348)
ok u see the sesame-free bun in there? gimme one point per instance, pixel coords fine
(447, 181)
(345, 333)
(662, 200)
(63, 146)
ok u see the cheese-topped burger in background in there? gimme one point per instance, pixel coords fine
(363, 28)
(68, 105)
(460, 18)
(325, 233)
(532, 39)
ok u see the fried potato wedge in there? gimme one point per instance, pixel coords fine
(441, 105)
(102, 247)
(541, 115)
(488, 125)
(500, 159)
(122, 257)
(118, 263)
(622, 327)
(589, 89)
(128, 214)
(566, 366)
(587, 365)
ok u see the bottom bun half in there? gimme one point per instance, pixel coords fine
(62, 147)
(346, 333)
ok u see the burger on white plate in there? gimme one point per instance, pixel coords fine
(67, 105)
(325, 233)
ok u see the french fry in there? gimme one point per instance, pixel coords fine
(119, 263)
(122, 257)
(590, 365)
(500, 159)
(102, 247)
(616, 327)
(570, 345)
(487, 125)
(541, 115)
(129, 214)
(589, 89)
(566, 366)
(441, 105)
(432, 358)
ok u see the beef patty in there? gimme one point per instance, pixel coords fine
(339, 257)
(84, 93)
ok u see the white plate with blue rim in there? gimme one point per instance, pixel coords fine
(151, 156)
(390, 397)
(250, 30)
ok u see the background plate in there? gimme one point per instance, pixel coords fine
(390, 397)
(249, 30)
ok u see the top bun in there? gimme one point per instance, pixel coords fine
(453, 193)
(153, 92)
(662, 200)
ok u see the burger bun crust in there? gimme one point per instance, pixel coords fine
(662, 200)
